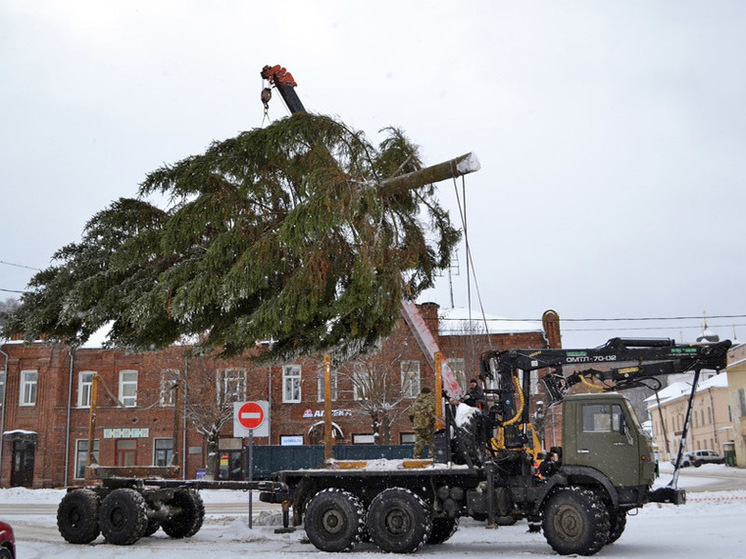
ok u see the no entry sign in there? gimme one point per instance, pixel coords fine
(251, 416)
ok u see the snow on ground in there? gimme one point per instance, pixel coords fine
(710, 525)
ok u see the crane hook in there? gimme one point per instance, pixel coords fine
(266, 96)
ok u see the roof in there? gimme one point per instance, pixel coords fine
(683, 388)
(455, 322)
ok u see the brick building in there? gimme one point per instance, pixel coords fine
(45, 399)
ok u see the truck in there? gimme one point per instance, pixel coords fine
(489, 467)
(489, 464)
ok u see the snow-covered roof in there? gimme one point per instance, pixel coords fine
(455, 322)
(682, 388)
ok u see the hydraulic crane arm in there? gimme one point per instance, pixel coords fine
(619, 364)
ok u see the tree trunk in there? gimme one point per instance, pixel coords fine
(463, 165)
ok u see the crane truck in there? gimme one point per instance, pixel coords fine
(490, 468)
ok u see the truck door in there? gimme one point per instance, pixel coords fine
(607, 441)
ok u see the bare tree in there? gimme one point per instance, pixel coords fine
(208, 402)
(378, 391)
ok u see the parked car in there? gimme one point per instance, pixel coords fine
(698, 457)
(7, 541)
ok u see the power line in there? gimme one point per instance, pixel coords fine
(630, 319)
(11, 290)
(20, 266)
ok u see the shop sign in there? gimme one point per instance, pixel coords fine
(127, 433)
(312, 414)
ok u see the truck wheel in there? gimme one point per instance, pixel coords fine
(399, 521)
(188, 520)
(152, 528)
(443, 529)
(123, 516)
(617, 524)
(508, 520)
(697, 463)
(77, 516)
(334, 520)
(575, 521)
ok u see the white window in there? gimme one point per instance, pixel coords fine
(128, 388)
(320, 385)
(81, 456)
(291, 383)
(458, 366)
(28, 388)
(410, 379)
(169, 386)
(363, 439)
(85, 384)
(361, 380)
(2, 388)
(232, 385)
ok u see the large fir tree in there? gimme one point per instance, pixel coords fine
(302, 233)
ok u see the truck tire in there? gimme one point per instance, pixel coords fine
(399, 521)
(334, 520)
(697, 463)
(617, 524)
(443, 529)
(123, 516)
(77, 516)
(152, 528)
(5, 553)
(189, 520)
(575, 520)
(508, 520)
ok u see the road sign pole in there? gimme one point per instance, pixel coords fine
(251, 477)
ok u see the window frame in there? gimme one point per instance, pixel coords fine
(231, 385)
(85, 387)
(410, 379)
(320, 386)
(125, 399)
(167, 394)
(291, 384)
(29, 389)
(169, 452)
(82, 454)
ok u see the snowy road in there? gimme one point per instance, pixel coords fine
(710, 525)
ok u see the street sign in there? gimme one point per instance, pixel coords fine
(251, 417)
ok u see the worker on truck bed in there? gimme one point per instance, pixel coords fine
(422, 415)
(475, 396)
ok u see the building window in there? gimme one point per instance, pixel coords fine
(81, 457)
(85, 384)
(361, 381)
(232, 385)
(126, 452)
(320, 385)
(742, 401)
(163, 452)
(169, 386)
(458, 366)
(410, 379)
(28, 388)
(363, 439)
(291, 383)
(407, 438)
(128, 388)
(2, 388)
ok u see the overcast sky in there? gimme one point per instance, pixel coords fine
(611, 134)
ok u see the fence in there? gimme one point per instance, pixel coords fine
(270, 459)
